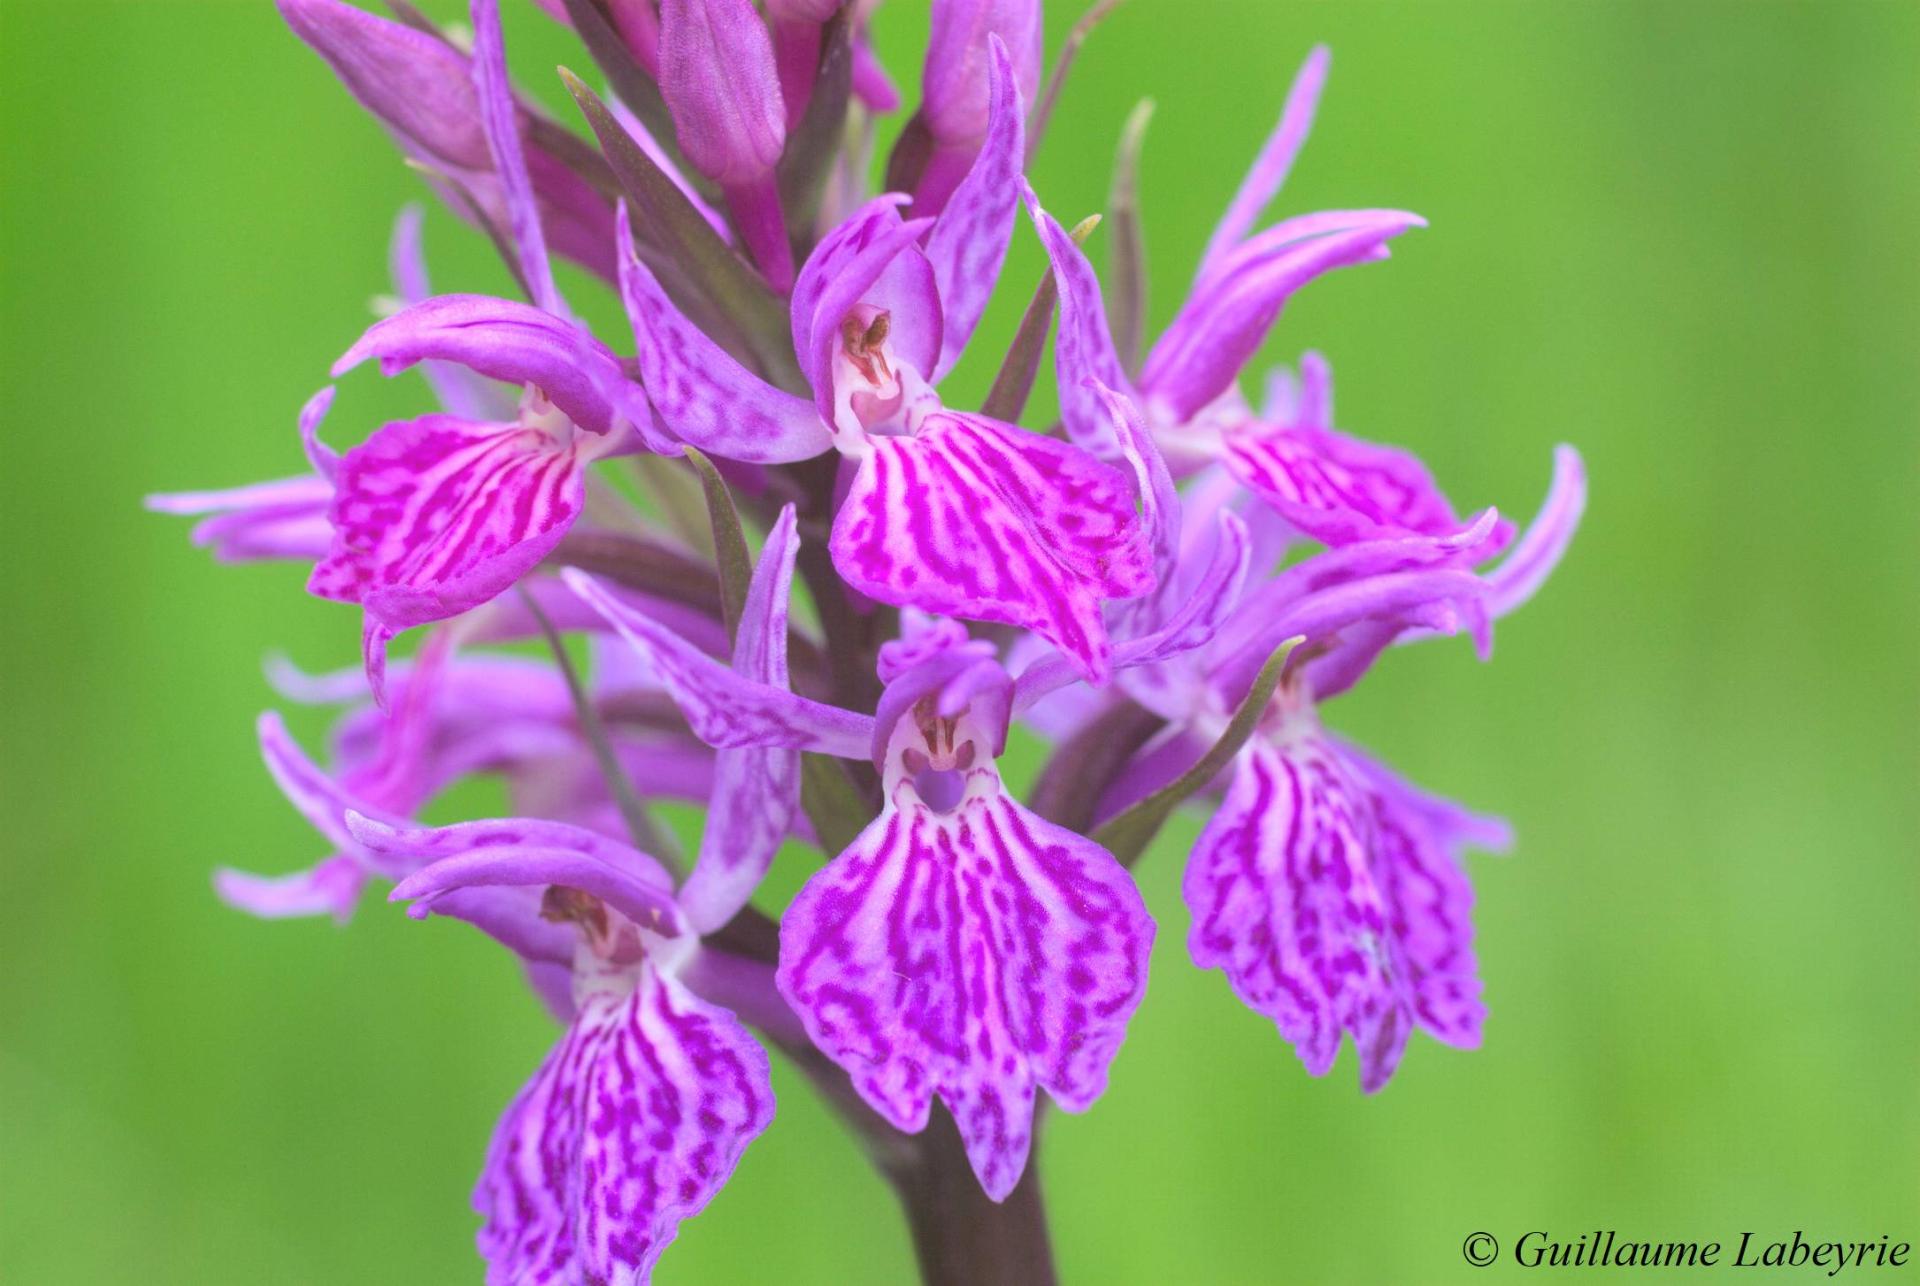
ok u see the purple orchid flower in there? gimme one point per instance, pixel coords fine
(645, 1106)
(961, 946)
(1326, 486)
(953, 513)
(437, 515)
(1329, 891)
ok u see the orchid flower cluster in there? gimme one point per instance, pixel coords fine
(1165, 586)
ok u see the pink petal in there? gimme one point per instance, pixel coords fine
(975, 955)
(438, 515)
(633, 1123)
(1270, 168)
(726, 709)
(1083, 352)
(978, 519)
(500, 119)
(700, 393)
(1285, 898)
(756, 790)
(969, 239)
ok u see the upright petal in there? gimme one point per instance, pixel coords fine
(726, 709)
(969, 239)
(438, 515)
(1221, 326)
(633, 1123)
(1083, 351)
(978, 519)
(974, 954)
(1270, 168)
(700, 393)
(756, 789)
(1539, 551)
(500, 120)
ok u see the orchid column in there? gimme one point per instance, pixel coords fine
(1168, 587)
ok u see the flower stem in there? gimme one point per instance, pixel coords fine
(960, 1236)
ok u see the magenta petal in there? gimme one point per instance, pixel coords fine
(828, 260)
(512, 342)
(700, 393)
(975, 955)
(1222, 325)
(725, 709)
(520, 852)
(1527, 567)
(330, 888)
(633, 1123)
(1207, 602)
(500, 119)
(317, 796)
(438, 515)
(1430, 901)
(1270, 168)
(1084, 355)
(1336, 489)
(756, 790)
(978, 519)
(1286, 901)
(969, 239)
(892, 274)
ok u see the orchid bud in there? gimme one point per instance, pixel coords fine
(722, 88)
(954, 92)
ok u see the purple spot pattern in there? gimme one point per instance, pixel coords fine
(632, 1124)
(1332, 910)
(974, 955)
(701, 394)
(1335, 489)
(438, 515)
(979, 519)
(969, 239)
(1083, 347)
(724, 708)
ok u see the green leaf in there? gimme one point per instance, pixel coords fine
(730, 556)
(1127, 834)
(1011, 387)
(702, 271)
(629, 79)
(1127, 301)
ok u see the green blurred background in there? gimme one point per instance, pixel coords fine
(1680, 234)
